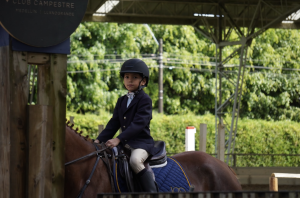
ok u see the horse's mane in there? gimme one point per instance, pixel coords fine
(232, 170)
(234, 173)
(76, 131)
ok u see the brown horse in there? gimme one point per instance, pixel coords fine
(205, 172)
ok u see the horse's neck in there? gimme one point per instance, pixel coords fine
(76, 145)
(77, 173)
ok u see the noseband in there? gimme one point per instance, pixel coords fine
(100, 154)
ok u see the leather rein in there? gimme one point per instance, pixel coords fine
(99, 154)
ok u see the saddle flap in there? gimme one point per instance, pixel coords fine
(161, 146)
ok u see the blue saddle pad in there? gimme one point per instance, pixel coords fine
(170, 178)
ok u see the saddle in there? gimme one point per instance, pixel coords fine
(123, 156)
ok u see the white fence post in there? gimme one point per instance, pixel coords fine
(190, 138)
(202, 137)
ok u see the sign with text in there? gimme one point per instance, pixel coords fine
(41, 23)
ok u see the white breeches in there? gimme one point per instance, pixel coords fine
(137, 159)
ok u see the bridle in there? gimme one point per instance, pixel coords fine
(100, 154)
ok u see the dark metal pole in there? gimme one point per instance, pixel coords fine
(160, 81)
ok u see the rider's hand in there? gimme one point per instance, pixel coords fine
(96, 141)
(112, 142)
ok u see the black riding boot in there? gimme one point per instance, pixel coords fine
(146, 180)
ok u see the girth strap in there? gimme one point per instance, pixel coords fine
(109, 168)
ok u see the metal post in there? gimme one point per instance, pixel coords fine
(221, 140)
(234, 159)
(72, 119)
(160, 80)
(100, 128)
(216, 103)
(202, 137)
(234, 116)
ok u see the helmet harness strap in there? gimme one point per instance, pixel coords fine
(141, 86)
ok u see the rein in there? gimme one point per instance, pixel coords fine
(89, 155)
(99, 156)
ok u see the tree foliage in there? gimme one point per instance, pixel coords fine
(189, 83)
(273, 93)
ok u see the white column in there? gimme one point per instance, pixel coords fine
(190, 138)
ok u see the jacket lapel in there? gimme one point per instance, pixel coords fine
(124, 104)
(134, 100)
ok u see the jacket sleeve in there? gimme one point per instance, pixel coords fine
(112, 126)
(140, 121)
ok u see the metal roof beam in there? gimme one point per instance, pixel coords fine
(231, 21)
(93, 6)
(141, 19)
(203, 33)
(276, 20)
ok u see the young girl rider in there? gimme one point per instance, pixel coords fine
(133, 113)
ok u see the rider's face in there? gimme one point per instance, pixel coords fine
(132, 81)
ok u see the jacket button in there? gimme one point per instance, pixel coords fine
(124, 118)
(123, 126)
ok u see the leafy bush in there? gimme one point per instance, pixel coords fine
(253, 136)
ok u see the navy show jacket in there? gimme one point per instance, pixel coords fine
(134, 121)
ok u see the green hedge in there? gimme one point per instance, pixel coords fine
(253, 136)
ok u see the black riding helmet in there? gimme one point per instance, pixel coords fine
(135, 66)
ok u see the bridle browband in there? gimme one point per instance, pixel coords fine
(99, 154)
